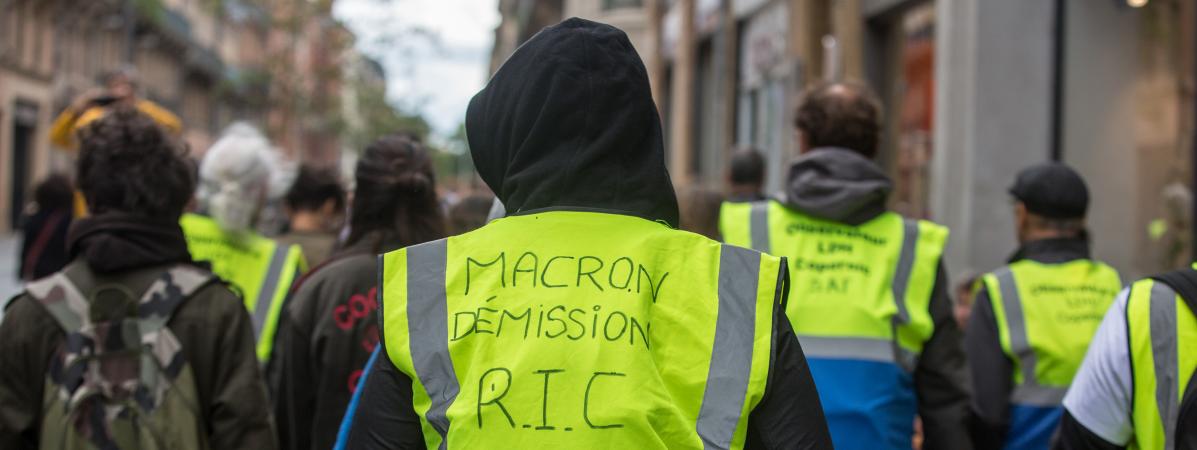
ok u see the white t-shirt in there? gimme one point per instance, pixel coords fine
(1101, 392)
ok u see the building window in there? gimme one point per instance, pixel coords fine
(618, 4)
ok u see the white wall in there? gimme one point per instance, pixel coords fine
(993, 118)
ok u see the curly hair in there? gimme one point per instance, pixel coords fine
(845, 115)
(127, 164)
(395, 201)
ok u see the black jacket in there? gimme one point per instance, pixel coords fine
(992, 370)
(842, 186)
(212, 325)
(568, 123)
(325, 336)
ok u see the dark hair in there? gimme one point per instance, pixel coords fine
(54, 192)
(844, 115)
(395, 202)
(313, 188)
(470, 213)
(128, 164)
(747, 166)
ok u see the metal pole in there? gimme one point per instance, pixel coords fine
(1057, 111)
(130, 16)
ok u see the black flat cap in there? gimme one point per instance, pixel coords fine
(1052, 190)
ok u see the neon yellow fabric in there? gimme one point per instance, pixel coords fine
(1148, 424)
(62, 131)
(841, 276)
(579, 277)
(1062, 306)
(244, 261)
(733, 223)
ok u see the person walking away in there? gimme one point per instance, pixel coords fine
(1034, 317)
(132, 345)
(1135, 388)
(234, 177)
(745, 184)
(315, 206)
(699, 210)
(869, 296)
(44, 228)
(675, 341)
(331, 324)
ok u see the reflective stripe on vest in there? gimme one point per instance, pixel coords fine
(731, 356)
(274, 272)
(1158, 321)
(428, 289)
(1029, 392)
(758, 226)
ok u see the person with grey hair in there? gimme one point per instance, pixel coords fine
(234, 183)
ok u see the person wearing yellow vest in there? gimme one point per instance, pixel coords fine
(745, 184)
(583, 319)
(1135, 388)
(868, 293)
(234, 177)
(1034, 317)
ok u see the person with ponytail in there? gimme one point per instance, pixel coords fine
(235, 181)
(330, 326)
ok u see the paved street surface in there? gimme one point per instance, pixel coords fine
(10, 248)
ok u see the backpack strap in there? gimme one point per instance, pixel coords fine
(167, 292)
(63, 300)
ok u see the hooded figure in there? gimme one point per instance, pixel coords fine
(870, 304)
(568, 138)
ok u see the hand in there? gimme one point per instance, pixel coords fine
(84, 100)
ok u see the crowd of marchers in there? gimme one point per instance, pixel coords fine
(584, 305)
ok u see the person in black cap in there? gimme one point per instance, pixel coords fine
(1033, 318)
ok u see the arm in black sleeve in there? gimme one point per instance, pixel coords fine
(941, 377)
(991, 373)
(384, 417)
(1074, 436)
(789, 415)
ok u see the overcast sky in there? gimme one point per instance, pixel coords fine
(435, 73)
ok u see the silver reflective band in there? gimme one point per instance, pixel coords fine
(1030, 392)
(856, 348)
(758, 226)
(731, 355)
(428, 330)
(269, 285)
(1037, 395)
(910, 237)
(1164, 357)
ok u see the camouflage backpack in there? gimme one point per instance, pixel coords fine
(120, 381)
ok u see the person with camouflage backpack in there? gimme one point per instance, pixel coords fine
(132, 345)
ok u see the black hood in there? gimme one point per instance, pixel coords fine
(838, 185)
(568, 122)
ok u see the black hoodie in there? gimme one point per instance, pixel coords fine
(568, 123)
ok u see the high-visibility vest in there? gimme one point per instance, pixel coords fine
(1046, 315)
(261, 269)
(859, 302)
(574, 329)
(1162, 333)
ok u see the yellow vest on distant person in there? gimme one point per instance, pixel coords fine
(261, 269)
(581, 330)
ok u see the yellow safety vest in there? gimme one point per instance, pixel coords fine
(581, 330)
(1162, 332)
(1046, 315)
(259, 267)
(859, 303)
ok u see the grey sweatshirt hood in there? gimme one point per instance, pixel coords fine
(838, 185)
